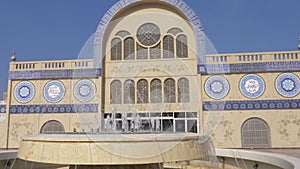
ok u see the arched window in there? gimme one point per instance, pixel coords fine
(181, 46)
(129, 92)
(116, 49)
(156, 91)
(142, 91)
(52, 127)
(183, 90)
(169, 91)
(129, 49)
(168, 47)
(255, 133)
(115, 92)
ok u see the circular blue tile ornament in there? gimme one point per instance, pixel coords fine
(24, 92)
(54, 91)
(287, 85)
(252, 86)
(84, 90)
(216, 87)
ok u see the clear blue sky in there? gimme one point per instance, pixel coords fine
(57, 29)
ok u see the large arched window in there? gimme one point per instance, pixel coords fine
(116, 49)
(168, 46)
(142, 91)
(255, 133)
(129, 92)
(183, 89)
(181, 46)
(169, 91)
(129, 49)
(156, 91)
(52, 127)
(115, 92)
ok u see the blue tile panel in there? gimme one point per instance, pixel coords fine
(249, 67)
(251, 105)
(2, 108)
(52, 74)
(53, 108)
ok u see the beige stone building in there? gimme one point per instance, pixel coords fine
(151, 72)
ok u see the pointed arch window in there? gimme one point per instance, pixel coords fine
(168, 46)
(116, 49)
(52, 127)
(183, 90)
(129, 49)
(181, 46)
(129, 92)
(255, 133)
(142, 91)
(156, 91)
(169, 91)
(116, 92)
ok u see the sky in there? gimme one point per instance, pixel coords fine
(57, 29)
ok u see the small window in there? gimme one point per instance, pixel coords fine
(260, 57)
(240, 58)
(52, 127)
(275, 57)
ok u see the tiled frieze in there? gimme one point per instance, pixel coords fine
(53, 108)
(251, 105)
(50, 74)
(249, 67)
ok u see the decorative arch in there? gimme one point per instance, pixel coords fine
(129, 92)
(52, 127)
(179, 4)
(183, 90)
(255, 133)
(116, 49)
(142, 91)
(155, 91)
(169, 91)
(116, 92)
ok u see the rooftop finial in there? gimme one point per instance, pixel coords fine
(13, 57)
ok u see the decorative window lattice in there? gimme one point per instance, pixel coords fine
(156, 91)
(155, 52)
(116, 92)
(174, 31)
(116, 49)
(142, 53)
(129, 49)
(255, 133)
(148, 34)
(181, 46)
(168, 47)
(169, 91)
(129, 92)
(52, 127)
(142, 91)
(183, 90)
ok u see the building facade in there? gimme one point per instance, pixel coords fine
(150, 69)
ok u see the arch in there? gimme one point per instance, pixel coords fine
(129, 49)
(142, 91)
(116, 92)
(174, 31)
(122, 4)
(116, 49)
(169, 91)
(183, 89)
(181, 46)
(168, 46)
(255, 132)
(129, 92)
(155, 91)
(122, 33)
(52, 127)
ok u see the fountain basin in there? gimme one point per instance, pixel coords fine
(114, 149)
